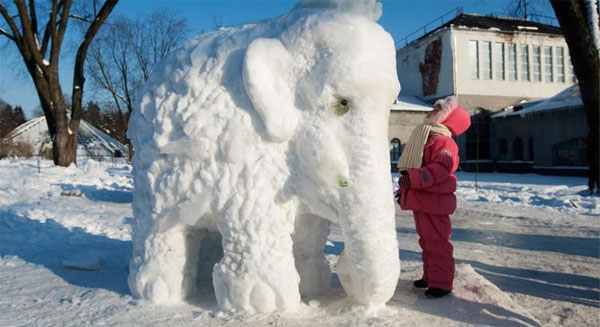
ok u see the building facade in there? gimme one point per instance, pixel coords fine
(488, 63)
(547, 136)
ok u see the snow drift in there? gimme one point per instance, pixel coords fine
(266, 133)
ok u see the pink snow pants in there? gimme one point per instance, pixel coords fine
(434, 238)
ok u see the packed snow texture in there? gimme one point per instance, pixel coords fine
(526, 257)
(266, 133)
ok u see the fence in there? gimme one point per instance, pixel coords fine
(431, 26)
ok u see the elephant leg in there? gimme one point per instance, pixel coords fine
(160, 270)
(343, 272)
(257, 272)
(310, 235)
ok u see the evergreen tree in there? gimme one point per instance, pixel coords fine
(19, 116)
(6, 120)
(92, 114)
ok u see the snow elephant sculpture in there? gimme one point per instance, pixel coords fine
(266, 133)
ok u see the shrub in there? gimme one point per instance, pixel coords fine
(15, 149)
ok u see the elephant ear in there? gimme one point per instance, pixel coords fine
(267, 75)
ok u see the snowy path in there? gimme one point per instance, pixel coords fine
(521, 262)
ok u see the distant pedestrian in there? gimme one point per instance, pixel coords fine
(427, 186)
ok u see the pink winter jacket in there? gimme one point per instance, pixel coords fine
(433, 185)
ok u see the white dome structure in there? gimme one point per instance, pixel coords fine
(91, 141)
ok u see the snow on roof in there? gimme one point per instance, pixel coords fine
(91, 140)
(570, 98)
(408, 103)
(507, 24)
(493, 23)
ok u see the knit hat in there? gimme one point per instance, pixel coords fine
(452, 115)
(451, 120)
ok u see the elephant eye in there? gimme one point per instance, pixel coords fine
(342, 107)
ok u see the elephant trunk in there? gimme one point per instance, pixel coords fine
(369, 267)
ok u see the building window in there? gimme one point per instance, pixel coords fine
(474, 59)
(570, 153)
(530, 146)
(486, 60)
(518, 149)
(512, 62)
(503, 148)
(560, 64)
(499, 60)
(537, 64)
(548, 76)
(395, 150)
(524, 57)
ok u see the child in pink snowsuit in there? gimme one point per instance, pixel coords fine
(427, 187)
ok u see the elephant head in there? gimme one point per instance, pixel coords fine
(325, 87)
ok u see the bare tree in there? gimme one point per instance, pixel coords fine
(122, 57)
(529, 9)
(40, 46)
(580, 27)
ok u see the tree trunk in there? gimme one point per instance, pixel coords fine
(574, 19)
(64, 141)
(43, 67)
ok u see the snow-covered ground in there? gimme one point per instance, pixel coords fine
(527, 250)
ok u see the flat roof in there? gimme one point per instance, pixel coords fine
(409, 103)
(569, 98)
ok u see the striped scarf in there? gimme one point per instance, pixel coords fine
(412, 156)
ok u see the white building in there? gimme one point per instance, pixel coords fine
(489, 63)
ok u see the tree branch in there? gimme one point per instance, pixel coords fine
(30, 43)
(78, 72)
(81, 18)
(16, 37)
(104, 81)
(59, 35)
(8, 35)
(34, 24)
(50, 26)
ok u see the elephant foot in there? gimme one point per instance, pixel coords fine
(371, 290)
(158, 284)
(256, 292)
(161, 271)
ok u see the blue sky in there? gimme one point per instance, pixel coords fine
(400, 18)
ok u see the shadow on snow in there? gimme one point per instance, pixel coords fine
(461, 309)
(587, 247)
(548, 285)
(49, 243)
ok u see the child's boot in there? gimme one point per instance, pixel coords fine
(434, 292)
(421, 283)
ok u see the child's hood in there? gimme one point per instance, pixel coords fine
(452, 115)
